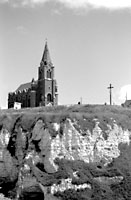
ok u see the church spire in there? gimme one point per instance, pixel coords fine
(46, 55)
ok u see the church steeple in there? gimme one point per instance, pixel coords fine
(47, 88)
(46, 55)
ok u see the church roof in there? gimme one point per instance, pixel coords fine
(46, 54)
(127, 103)
(25, 86)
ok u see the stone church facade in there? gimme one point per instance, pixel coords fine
(41, 92)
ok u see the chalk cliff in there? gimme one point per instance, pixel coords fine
(54, 155)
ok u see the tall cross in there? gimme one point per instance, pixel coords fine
(110, 88)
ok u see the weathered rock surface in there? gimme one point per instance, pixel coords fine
(66, 156)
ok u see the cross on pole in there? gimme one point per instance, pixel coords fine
(110, 88)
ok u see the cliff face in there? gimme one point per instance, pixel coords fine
(60, 156)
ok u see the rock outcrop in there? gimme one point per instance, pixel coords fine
(47, 156)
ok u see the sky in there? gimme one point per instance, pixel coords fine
(89, 43)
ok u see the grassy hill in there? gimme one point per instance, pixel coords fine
(102, 112)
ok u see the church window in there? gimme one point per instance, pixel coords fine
(49, 98)
(40, 97)
(19, 98)
(28, 101)
(56, 89)
(48, 74)
(14, 98)
(24, 96)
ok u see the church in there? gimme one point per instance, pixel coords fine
(41, 92)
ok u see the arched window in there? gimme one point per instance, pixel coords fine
(56, 89)
(49, 97)
(48, 74)
(19, 98)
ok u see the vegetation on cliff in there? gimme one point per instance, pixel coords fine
(74, 152)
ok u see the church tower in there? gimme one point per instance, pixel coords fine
(47, 91)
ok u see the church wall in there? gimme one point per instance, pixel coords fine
(56, 100)
(20, 97)
(40, 91)
(24, 99)
(41, 72)
(48, 87)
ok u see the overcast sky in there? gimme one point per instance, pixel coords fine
(89, 43)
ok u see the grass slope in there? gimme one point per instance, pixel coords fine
(103, 113)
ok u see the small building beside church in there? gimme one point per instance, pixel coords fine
(41, 92)
(127, 104)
